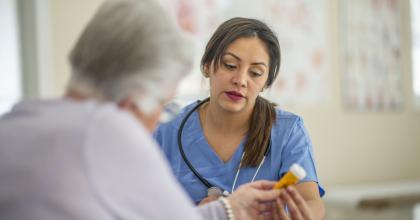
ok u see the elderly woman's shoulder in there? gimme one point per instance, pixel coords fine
(110, 116)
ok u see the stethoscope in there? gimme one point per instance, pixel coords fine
(212, 189)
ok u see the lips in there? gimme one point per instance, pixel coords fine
(234, 96)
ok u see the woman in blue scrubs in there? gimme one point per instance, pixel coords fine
(236, 136)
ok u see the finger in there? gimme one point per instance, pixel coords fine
(276, 215)
(300, 202)
(291, 205)
(266, 216)
(263, 184)
(208, 199)
(255, 211)
(281, 213)
(266, 196)
(212, 197)
(266, 208)
(262, 207)
(271, 209)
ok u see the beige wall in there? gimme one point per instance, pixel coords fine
(360, 147)
(349, 147)
(68, 18)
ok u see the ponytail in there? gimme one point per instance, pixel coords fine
(262, 119)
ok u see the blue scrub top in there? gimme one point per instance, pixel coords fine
(290, 144)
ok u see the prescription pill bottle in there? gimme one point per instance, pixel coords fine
(294, 175)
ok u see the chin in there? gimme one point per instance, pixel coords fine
(234, 107)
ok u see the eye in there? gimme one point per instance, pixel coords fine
(255, 74)
(229, 66)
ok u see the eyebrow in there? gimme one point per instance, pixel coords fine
(239, 59)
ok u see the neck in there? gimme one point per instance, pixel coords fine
(74, 96)
(213, 117)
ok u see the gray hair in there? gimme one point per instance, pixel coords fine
(130, 47)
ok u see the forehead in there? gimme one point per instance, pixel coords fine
(250, 49)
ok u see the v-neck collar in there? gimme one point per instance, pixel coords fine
(203, 145)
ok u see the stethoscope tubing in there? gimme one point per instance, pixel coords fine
(184, 157)
(181, 149)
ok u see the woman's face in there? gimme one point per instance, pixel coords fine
(241, 75)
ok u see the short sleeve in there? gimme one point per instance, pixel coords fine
(298, 149)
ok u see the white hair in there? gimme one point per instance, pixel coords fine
(130, 47)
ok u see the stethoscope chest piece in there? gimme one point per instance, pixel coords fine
(216, 191)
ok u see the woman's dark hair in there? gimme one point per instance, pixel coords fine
(264, 115)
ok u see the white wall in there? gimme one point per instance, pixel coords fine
(10, 84)
(349, 147)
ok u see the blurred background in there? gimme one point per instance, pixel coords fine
(351, 69)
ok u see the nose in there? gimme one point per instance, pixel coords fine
(240, 78)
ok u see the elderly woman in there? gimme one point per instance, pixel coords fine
(89, 155)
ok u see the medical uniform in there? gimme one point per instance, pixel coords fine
(290, 144)
(61, 159)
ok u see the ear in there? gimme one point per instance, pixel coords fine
(125, 104)
(206, 71)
